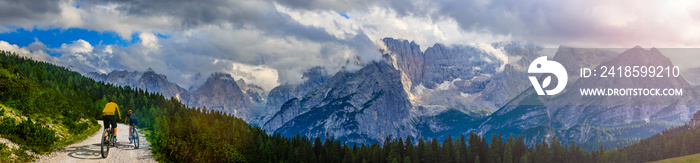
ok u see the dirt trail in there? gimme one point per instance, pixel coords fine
(89, 150)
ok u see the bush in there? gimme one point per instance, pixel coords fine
(34, 135)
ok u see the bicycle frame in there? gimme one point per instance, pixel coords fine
(134, 137)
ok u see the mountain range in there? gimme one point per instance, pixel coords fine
(444, 90)
(219, 93)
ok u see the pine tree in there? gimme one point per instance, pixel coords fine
(495, 149)
(393, 152)
(318, 148)
(410, 151)
(507, 154)
(519, 148)
(473, 147)
(447, 152)
(401, 150)
(557, 150)
(523, 159)
(407, 159)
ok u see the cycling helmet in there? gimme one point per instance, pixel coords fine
(111, 100)
(129, 111)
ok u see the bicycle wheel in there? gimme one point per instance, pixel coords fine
(104, 145)
(135, 136)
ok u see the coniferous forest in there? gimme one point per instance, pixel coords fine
(183, 134)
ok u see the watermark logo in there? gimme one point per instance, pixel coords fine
(543, 66)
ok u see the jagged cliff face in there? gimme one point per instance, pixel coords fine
(221, 93)
(279, 108)
(463, 73)
(359, 107)
(151, 81)
(467, 78)
(256, 93)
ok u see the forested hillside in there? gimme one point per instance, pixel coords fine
(48, 95)
(44, 93)
(38, 112)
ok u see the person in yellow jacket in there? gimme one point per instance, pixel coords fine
(108, 118)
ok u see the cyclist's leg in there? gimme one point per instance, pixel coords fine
(134, 123)
(105, 123)
(114, 126)
(108, 122)
(131, 121)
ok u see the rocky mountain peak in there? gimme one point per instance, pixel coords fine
(221, 92)
(220, 76)
(369, 103)
(154, 82)
(652, 56)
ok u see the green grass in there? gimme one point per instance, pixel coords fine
(688, 158)
(79, 137)
(14, 155)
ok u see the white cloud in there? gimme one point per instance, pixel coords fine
(78, 46)
(107, 17)
(378, 23)
(149, 40)
(499, 53)
(37, 54)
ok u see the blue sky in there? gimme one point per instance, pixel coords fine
(54, 38)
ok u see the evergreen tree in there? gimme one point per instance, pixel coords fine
(557, 150)
(410, 151)
(447, 151)
(507, 154)
(420, 150)
(523, 159)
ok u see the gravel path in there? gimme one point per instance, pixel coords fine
(89, 150)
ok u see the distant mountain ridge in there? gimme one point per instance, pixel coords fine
(444, 90)
(220, 93)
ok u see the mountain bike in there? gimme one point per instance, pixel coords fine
(107, 140)
(134, 138)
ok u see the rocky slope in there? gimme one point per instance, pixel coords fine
(360, 107)
(151, 81)
(445, 89)
(282, 104)
(221, 93)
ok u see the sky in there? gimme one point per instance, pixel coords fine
(270, 42)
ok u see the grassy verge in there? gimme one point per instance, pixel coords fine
(14, 155)
(11, 117)
(94, 127)
(688, 158)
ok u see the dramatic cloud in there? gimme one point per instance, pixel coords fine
(591, 23)
(269, 42)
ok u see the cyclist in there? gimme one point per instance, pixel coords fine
(133, 121)
(108, 116)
